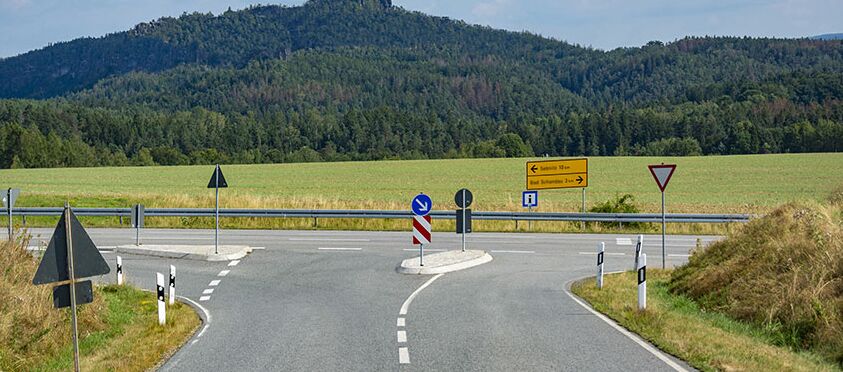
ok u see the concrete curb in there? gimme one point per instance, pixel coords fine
(184, 252)
(410, 266)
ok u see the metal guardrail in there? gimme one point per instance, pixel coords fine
(364, 214)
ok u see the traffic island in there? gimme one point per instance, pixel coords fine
(444, 262)
(189, 252)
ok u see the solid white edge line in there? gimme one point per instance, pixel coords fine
(202, 332)
(326, 240)
(635, 338)
(204, 310)
(513, 251)
(339, 249)
(402, 337)
(403, 356)
(409, 300)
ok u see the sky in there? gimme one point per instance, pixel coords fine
(604, 24)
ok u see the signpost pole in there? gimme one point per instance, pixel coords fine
(72, 275)
(217, 210)
(582, 223)
(529, 222)
(421, 254)
(464, 215)
(664, 226)
(9, 204)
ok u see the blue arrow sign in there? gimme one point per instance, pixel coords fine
(530, 199)
(421, 205)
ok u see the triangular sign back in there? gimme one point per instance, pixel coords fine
(662, 174)
(213, 183)
(87, 260)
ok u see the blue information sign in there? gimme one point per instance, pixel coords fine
(421, 205)
(530, 199)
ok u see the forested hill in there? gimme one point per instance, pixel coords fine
(363, 79)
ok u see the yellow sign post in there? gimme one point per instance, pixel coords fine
(557, 174)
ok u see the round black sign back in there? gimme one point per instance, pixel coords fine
(463, 198)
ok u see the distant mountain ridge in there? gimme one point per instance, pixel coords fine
(364, 79)
(837, 36)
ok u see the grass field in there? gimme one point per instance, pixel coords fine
(708, 341)
(701, 184)
(714, 184)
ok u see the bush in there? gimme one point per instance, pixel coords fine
(783, 272)
(620, 204)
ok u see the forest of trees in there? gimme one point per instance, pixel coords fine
(338, 80)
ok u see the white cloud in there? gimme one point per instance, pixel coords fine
(491, 8)
(14, 4)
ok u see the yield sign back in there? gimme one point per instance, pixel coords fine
(87, 259)
(662, 173)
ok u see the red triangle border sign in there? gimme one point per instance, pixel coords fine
(653, 168)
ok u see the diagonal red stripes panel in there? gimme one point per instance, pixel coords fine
(421, 229)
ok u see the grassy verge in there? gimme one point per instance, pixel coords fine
(112, 329)
(708, 341)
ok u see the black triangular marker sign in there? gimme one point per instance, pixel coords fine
(213, 183)
(87, 259)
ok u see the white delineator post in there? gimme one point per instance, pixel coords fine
(172, 285)
(119, 270)
(639, 247)
(642, 283)
(162, 308)
(601, 248)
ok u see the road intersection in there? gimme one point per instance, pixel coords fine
(332, 300)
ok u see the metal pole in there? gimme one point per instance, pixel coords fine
(582, 223)
(464, 214)
(421, 254)
(217, 210)
(137, 224)
(9, 204)
(72, 275)
(664, 227)
(529, 222)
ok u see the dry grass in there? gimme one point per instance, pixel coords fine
(35, 336)
(708, 341)
(31, 330)
(783, 272)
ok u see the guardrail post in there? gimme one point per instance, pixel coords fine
(24, 219)
(315, 223)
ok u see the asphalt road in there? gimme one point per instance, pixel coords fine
(331, 300)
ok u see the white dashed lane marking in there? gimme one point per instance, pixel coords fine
(204, 298)
(233, 263)
(339, 249)
(401, 322)
(208, 291)
(403, 355)
(224, 273)
(214, 283)
(526, 252)
(402, 337)
(623, 241)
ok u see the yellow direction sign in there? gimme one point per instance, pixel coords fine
(557, 174)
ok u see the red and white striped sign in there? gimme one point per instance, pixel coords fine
(421, 229)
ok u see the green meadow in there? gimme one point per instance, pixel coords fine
(711, 184)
